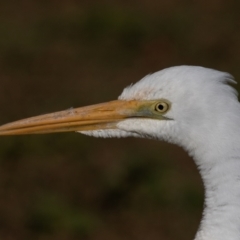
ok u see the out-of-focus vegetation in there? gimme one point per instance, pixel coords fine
(60, 54)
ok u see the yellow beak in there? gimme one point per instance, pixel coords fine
(99, 116)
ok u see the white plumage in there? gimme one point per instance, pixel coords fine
(202, 115)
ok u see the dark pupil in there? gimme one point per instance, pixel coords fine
(160, 107)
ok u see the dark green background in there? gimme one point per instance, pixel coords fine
(60, 54)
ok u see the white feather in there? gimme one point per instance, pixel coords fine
(205, 115)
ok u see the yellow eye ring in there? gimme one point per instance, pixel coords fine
(161, 107)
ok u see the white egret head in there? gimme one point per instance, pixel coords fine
(173, 104)
(192, 101)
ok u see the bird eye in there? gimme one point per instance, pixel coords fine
(161, 107)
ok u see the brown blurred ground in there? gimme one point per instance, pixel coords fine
(60, 54)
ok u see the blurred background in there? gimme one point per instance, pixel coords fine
(60, 54)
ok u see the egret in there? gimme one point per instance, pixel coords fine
(191, 106)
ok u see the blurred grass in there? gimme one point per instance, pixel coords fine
(50, 214)
(56, 55)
